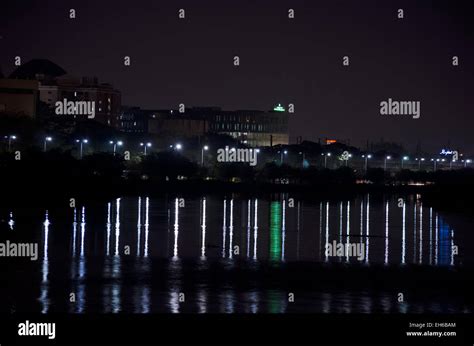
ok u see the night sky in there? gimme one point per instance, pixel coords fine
(282, 60)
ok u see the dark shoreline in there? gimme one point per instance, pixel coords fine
(457, 198)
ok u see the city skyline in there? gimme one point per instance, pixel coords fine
(282, 60)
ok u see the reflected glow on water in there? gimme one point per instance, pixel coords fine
(44, 297)
(348, 226)
(275, 231)
(109, 228)
(117, 226)
(231, 228)
(176, 228)
(367, 244)
(386, 232)
(404, 233)
(421, 235)
(203, 229)
(224, 228)
(205, 235)
(147, 211)
(139, 226)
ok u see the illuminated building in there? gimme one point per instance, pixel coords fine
(252, 127)
(55, 85)
(107, 99)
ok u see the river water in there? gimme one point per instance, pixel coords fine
(226, 254)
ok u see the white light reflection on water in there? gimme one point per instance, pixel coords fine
(231, 228)
(44, 297)
(203, 242)
(147, 224)
(386, 232)
(203, 229)
(255, 230)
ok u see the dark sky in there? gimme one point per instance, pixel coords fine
(289, 61)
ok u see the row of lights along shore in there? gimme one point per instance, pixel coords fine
(179, 147)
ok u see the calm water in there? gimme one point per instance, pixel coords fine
(217, 254)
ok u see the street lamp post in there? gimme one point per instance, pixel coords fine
(347, 159)
(145, 145)
(325, 159)
(46, 140)
(115, 144)
(202, 154)
(435, 163)
(176, 147)
(81, 141)
(385, 162)
(302, 162)
(10, 138)
(367, 157)
(404, 158)
(466, 162)
(281, 155)
(419, 162)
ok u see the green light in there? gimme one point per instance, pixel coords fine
(279, 108)
(275, 231)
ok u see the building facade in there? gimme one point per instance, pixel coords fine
(55, 85)
(173, 124)
(19, 97)
(107, 100)
(133, 120)
(252, 127)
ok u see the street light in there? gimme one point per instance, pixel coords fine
(46, 140)
(145, 145)
(325, 159)
(115, 144)
(347, 159)
(281, 155)
(419, 162)
(10, 138)
(178, 146)
(367, 157)
(81, 141)
(435, 163)
(302, 162)
(385, 162)
(404, 158)
(466, 162)
(202, 154)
